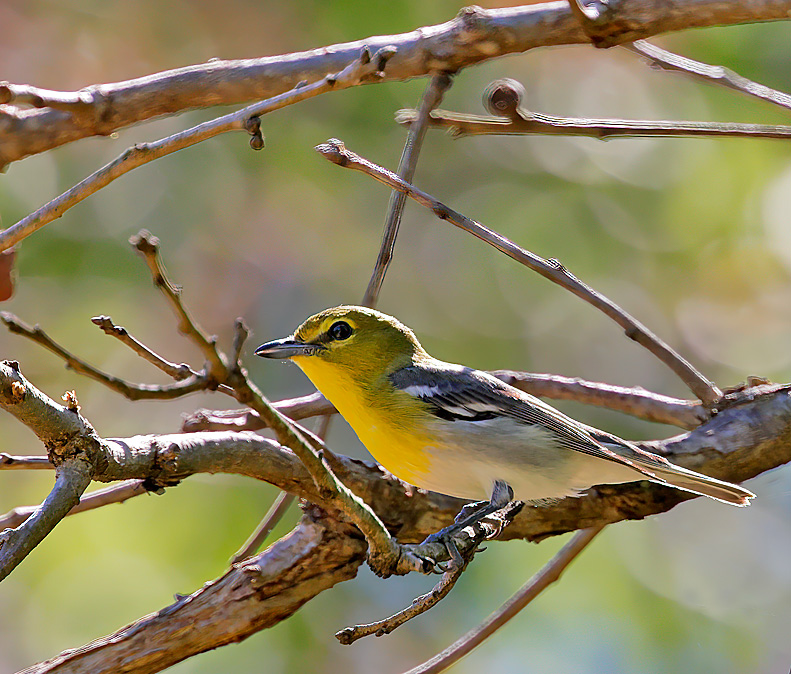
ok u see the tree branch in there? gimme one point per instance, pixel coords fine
(661, 59)
(709, 394)
(432, 97)
(251, 596)
(101, 497)
(363, 67)
(475, 35)
(536, 585)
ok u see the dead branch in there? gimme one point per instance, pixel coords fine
(251, 596)
(662, 59)
(116, 494)
(536, 585)
(473, 36)
(432, 97)
(365, 66)
(709, 394)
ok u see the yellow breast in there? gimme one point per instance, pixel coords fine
(390, 432)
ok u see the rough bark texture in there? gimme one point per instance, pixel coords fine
(473, 36)
(251, 596)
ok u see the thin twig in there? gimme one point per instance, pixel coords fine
(537, 584)
(552, 270)
(130, 390)
(366, 67)
(8, 462)
(466, 543)
(432, 96)
(178, 372)
(280, 505)
(662, 59)
(535, 123)
(71, 479)
(419, 605)
(637, 402)
(148, 246)
(101, 497)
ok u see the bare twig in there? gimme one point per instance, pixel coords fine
(533, 123)
(505, 97)
(128, 389)
(636, 402)
(279, 507)
(529, 591)
(8, 462)
(303, 407)
(179, 372)
(418, 606)
(475, 35)
(665, 60)
(552, 270)
(96, 499)
(365, 67)
(148, 246)
(432, 96)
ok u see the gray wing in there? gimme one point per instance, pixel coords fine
(456, 393)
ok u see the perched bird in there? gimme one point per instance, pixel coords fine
(460, 431)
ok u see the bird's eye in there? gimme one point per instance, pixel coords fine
(340, 330)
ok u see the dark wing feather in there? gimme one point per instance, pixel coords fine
(456, 393)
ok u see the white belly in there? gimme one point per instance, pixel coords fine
(475, 454)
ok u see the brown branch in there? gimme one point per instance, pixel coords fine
(127, 389)
(116, 494)
(254, 595)
(662, 59)
(295, 409)
(71, 446)
(362, 68)
(475, 35)
(8, 462)
(536, 585)
(179, 372)
(432, 97)
(637, 402)
(552, 270)
(536, 123)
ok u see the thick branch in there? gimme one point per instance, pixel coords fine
(475, 35)
(250, 597)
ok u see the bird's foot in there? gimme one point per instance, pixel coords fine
(455, 545)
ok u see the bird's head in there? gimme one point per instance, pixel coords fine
(360, 342)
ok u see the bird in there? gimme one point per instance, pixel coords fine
(459, 431)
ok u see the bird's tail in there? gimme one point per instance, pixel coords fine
(689, 480)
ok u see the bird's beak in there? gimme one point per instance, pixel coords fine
(288, 347)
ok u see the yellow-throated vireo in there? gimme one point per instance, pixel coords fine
(458, 431)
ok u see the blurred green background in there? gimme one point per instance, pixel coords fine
(691, 236)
